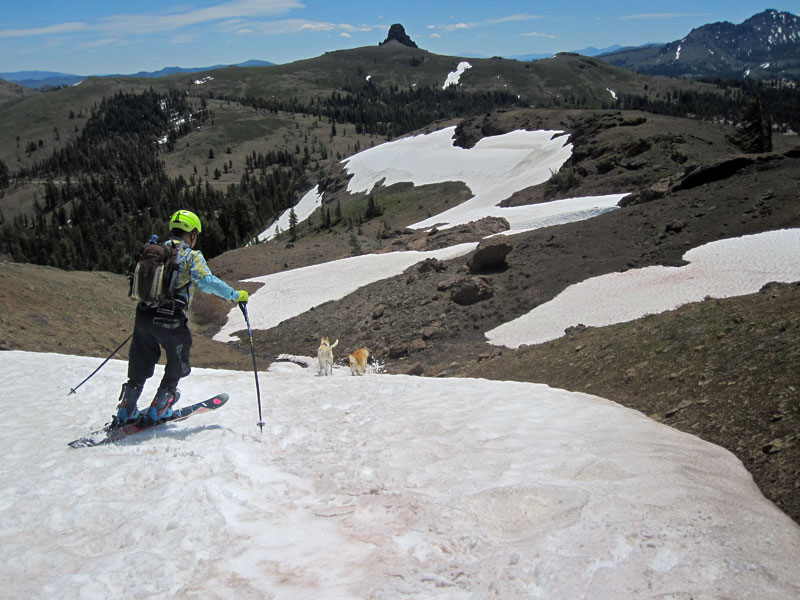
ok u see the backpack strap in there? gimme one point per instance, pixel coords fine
(179, 293)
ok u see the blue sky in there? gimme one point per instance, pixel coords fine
(111, 36)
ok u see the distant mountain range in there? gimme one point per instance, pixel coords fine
(765, 46)
(588, 51)
(41, 79)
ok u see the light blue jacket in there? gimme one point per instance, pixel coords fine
(194, 272)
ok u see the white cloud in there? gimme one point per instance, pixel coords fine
(345, 35)
(101, 43)
(183, 39)
(459, 26)
(291, 26)
(50, 30)
(123, 24)
(514, 19)
(218, 12)
(657, 16)
(435, 36)
(537, 34)
(471, 25)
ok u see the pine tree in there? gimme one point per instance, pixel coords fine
(372, 210)
(292, 225)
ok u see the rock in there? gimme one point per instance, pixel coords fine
(398, 33)
(430, 331)
(470, 290)
(418, 345)
(431, 264)
(575, 329)
(378, 311)
(415, 369)
(675, 226)
(397, 350)
(490, 257)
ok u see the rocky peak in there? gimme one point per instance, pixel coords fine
(398, 33)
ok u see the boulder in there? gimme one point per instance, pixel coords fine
(470, 290)
(490, 257)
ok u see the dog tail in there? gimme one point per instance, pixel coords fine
(334, 344)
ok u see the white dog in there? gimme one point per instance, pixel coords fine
(325, 356)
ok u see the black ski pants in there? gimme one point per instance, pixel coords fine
(157, 328)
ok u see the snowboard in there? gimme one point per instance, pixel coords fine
(108, 435)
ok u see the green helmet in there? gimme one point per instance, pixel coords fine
(185, 220)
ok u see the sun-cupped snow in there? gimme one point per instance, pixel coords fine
(381, 486)
(494, 169)
(455, 76)
(721, 269)
(302, 210)
(289, 293)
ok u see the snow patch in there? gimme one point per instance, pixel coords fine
(494, 169)
(454, 77)
(289, 293)
(721, 269)
(302, 210)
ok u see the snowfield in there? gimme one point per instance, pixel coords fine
(495, 169)
(721, 269)
(304, 208)
(381, 486)
(287, 294)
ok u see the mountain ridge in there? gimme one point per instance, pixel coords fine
(764, 46)
(41, 79)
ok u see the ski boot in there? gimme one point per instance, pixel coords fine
(126, 410)
(161, 407)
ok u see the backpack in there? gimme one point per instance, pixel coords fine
(154, 274)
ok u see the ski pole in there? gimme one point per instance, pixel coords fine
(243, 306)
(73, 390)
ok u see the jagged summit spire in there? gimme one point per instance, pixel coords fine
(398, 33)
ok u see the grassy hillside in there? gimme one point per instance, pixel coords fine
(12, 92)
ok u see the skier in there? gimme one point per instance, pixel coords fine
(167, 326)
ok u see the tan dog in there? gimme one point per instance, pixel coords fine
(325, 356)
(358, 361)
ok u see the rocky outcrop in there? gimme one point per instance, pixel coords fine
(436, 239)
(692, 177)
(466, 291)
(490, 257)
(398, 33)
